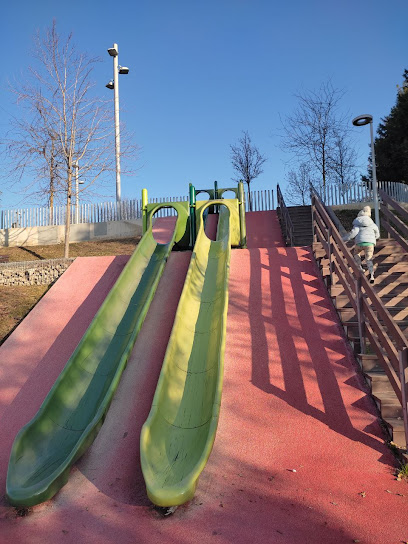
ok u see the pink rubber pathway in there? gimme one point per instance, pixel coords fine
(292, 401)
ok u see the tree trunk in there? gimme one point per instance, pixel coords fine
(249, 196)
(68, 215)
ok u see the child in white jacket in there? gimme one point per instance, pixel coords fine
(365, 232)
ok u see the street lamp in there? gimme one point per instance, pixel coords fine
(113, 52)
(360, 121)
(78, 182)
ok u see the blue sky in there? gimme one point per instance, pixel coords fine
(203, 71)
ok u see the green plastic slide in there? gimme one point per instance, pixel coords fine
(178, 436)
(74, 409)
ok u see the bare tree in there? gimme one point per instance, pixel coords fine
(312, 133)
(343, 162)
(34, 152)
(246, 160)
(298, 185)
(65, 122)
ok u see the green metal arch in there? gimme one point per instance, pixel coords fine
(182, 235)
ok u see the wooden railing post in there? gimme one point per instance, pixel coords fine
(330, 256)
(360, 314)
(313, 209)
(403, 368)
(388, 208)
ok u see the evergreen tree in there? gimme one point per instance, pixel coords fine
(391, 143)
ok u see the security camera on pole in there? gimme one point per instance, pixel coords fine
(113, 52)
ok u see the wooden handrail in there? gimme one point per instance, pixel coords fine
(287, 221)
(386, 338)
(400, 233)
(397, 207)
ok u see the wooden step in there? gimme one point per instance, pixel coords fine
(379, 383)
(390, 268)
(399, 314)
(389, 243)
(385, 276)
(388, 250)
(391, 259)
(389, 405)
(351, 328)
(392, 288)
(396, 429)
(369, 362)
(400, 301)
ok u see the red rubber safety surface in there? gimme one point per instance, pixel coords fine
(299, 454)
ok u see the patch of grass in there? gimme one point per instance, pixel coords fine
(402, 472)
(122, 246)
(15, 303)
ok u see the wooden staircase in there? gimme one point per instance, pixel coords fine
(391, 285)
(301, 222)
(301, 217)
(375, 317)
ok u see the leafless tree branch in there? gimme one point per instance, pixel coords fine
(246, 160)
(63, 122)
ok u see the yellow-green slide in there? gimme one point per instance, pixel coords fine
(73, 411)
(178, 436)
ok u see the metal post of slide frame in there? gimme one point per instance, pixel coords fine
(216, 195)
(144, 209)
(192, 215)
(242, 227)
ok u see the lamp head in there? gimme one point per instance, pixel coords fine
(113, 52)
(362, 120)
(110, 85)
(123, 70)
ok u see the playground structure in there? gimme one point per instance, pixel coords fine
(298, 442)
(73, 411)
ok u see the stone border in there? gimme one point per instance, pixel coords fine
(41, 272)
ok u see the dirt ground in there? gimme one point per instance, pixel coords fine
(17, 301)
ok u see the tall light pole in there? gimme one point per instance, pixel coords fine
(360, 121)
(113, 52)
(77, 183)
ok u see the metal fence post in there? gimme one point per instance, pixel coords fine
(192, 215)
(242, 225)
(144, 209)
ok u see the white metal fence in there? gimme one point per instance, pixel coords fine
(107, 211)
(361, 192)
(260, 201)
(85, 213)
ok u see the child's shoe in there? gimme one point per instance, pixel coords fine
(372, 278)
